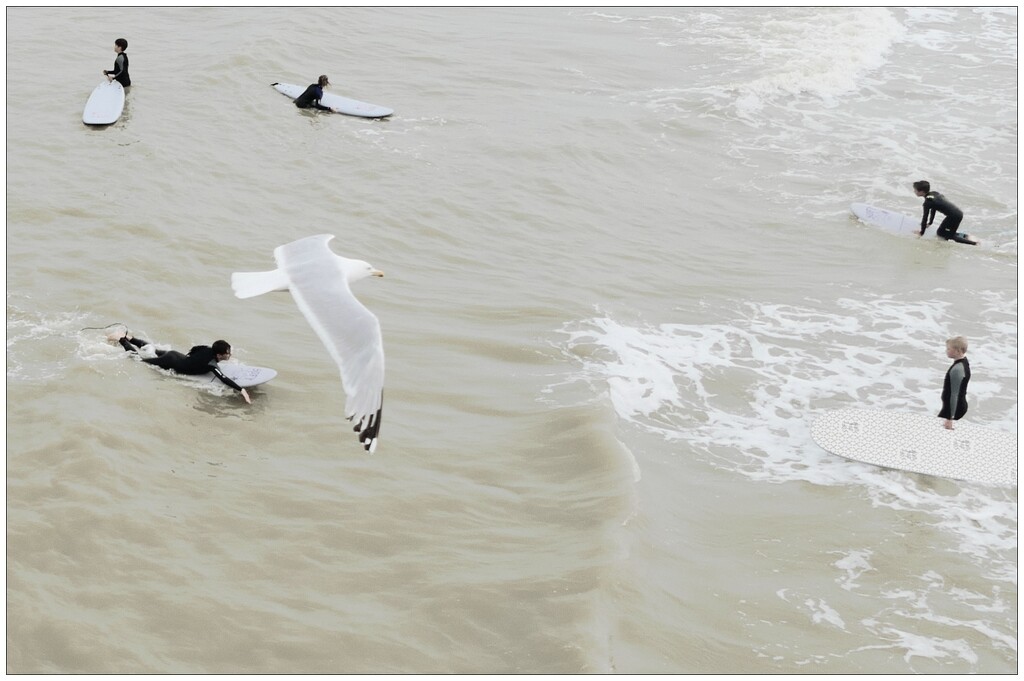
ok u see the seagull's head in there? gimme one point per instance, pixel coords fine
(359, 269)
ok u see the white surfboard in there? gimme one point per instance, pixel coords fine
(351, 107)
(919, 443)
(245, 376)
(105, 104)
(897, 223)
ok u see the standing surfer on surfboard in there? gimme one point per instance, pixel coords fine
(200, 360)
(954, 387)
(120, 72)
(936, 202)
(313, 94)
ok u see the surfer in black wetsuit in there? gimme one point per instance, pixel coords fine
(313, 94)
(120, 72)
(200, 360)
(954, 387)
(935, 202)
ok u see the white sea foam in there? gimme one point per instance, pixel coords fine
(916, 645)
(817, 609)
(32, 335)
(854, 564)
(818, 53)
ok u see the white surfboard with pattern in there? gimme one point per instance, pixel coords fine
(919, 443)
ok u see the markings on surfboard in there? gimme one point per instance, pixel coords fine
(105, 104)
(891, 221)
(919, 443)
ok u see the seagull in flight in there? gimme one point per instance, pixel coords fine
(319, 281)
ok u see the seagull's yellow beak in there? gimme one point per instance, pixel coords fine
(376, 273)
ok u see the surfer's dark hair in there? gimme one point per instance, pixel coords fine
(922, 186)
(122, 43)
(221, 347)
(322, 80)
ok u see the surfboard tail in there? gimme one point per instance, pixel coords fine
(251, 284)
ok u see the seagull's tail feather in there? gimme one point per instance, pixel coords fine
(249, 284)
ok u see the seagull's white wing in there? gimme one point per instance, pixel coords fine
(349, 331)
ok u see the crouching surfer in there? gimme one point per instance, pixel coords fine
(313, 94)
(934, 202)
(200, 360)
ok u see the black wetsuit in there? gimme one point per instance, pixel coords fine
(200, 360)
(936, 202)
(311, 97)
(120, 72)
(954, 390)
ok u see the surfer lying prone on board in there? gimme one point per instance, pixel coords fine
(936, 202)
(313, 94)
(201, 359)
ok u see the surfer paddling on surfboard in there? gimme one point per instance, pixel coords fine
(313, 94)
(954, 387)
(120, 72)
(936, 202)
(201, 359)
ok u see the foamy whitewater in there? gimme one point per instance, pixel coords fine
(622, 281)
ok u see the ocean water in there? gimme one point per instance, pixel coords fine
(621, 281)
